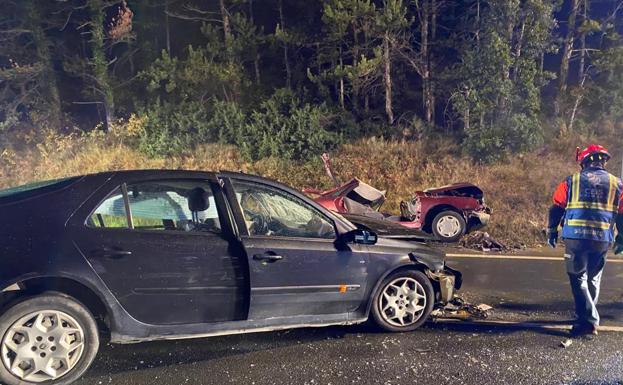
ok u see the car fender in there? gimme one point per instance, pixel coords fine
(22, 283)
(82, 274)
(405, 264)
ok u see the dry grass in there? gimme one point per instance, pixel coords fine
(518, 190)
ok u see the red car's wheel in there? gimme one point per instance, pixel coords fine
(449, 226)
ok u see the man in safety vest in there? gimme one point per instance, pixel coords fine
(589, 205)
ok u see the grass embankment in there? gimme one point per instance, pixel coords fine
(517, 189)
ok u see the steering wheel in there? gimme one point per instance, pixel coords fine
(259, 225)
(320, 228)
(261, 218)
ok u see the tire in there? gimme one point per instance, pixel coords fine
(33, 322)
(383, 310)
(449, 226)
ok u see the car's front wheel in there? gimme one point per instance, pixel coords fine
(50, 338)
(403, 302)
(449, 226)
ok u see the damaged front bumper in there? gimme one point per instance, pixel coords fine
(449, 281)
(478, 219)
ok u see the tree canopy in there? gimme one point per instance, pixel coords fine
(293, 78)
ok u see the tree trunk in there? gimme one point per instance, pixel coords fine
(99, 62)
(578, 100)
(341, 81)
(582, 62)
(466, 113)
(566, 57)
(366, 97)
(286, 58)
(44, 56)
(226, 28)
(518, 50)
(355, 83)
(426, 87)
(478, 24)
(431, 96)
(256, 60)
(167, 27)
(387, 79)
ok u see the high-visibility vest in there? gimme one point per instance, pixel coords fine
(592, 205)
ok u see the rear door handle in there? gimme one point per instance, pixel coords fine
(267, 257)
(111, 253)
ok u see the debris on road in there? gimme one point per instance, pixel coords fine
(566, 343)
(482, 241)
(423, 350)
(459, 309)
(484, 308)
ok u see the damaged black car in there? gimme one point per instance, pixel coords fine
(155, 255)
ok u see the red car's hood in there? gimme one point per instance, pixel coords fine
(457, 189)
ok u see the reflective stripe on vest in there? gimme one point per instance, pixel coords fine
(586, 223)
(612, 191)
(591, 205)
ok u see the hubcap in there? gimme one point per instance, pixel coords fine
(402, 302)
(42, 346)
(448, 226)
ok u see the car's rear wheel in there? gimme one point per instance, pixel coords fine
(449, 226)
(50, 338)
(403, 302)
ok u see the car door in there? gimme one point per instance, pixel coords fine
(294, 264)
(163, 248)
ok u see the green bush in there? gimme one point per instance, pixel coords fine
(171, 129)
(516, 133)
(284, 127)
(227, 121)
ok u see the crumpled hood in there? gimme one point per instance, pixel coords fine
(457, 189)
(387, 228)
(432, 258)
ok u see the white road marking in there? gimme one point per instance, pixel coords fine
(519, 257)
(524, 325)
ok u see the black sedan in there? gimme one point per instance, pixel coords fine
(148, 255)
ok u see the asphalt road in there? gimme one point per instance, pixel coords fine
(535, 289)
(450, 354)
(439, 353)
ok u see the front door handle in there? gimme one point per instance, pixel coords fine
(111, 253)
(268, 257)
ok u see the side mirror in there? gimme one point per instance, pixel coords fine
(362, 237)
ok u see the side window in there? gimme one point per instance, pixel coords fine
(111, 213)
(170, 205)
(272, 212)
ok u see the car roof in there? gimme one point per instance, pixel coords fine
(177, 173)
(149, 172)
(155, 171)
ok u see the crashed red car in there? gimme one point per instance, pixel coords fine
(447, 212)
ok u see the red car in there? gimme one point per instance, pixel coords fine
(447, 212)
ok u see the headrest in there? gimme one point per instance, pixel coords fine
(198, 200)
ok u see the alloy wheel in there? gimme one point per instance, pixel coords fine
(402, 302)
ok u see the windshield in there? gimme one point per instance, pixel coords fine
(31, 189)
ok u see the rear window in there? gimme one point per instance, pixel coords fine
(31, 189)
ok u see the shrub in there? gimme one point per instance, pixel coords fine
(170, 129)
(226, 122)
(285, 127)
(166, 128)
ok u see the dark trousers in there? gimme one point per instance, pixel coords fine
(585, 260)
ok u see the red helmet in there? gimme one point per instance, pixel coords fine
(593, 149)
